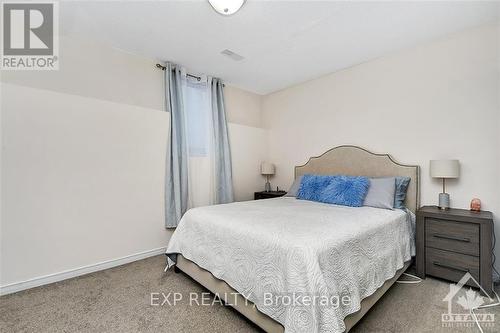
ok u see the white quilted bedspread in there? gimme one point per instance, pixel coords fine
(291, 247)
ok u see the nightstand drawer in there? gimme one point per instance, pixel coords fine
(450, 265)
(452, 236)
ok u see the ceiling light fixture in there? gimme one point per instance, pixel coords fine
(226, 7)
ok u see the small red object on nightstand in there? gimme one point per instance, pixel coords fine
(475, 205)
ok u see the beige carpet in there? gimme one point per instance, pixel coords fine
(118, 300)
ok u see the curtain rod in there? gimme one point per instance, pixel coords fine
(190, 75)
(198, 78)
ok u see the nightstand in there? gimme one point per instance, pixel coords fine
(268, 195)
(453, 242)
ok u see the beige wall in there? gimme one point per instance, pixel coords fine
(83, 162)
(243, 107)
(82, 181)
(94, 70)
(437, 101)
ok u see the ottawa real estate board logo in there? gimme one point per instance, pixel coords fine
(30, 36)
(462, 301)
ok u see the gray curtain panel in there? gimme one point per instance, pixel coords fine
(176, 185)
(222, 158)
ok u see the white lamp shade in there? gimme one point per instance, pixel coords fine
(445, 168)
(226, 7)
(267, 168)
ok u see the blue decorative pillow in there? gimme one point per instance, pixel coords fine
(311, 187)
(346, 191)
(401, 188)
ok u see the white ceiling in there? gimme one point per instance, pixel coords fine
(283, 42)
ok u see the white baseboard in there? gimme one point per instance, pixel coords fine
(51, 278)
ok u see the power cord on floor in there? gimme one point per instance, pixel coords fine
(491, 305)
(417, 279)
(494, 257)
(473, 314)
(497, 303)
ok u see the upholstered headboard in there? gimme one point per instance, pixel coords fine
(356, 161)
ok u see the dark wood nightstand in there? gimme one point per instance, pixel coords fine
(268, 195)
(453, 242)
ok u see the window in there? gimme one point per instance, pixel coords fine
(197, 106)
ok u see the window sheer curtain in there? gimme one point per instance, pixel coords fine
(198, 171)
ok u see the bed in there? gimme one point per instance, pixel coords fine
(297, 265)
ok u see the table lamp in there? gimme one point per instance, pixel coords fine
(444, 169)
(267, 169)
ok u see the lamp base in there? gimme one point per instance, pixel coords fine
(444, 201)
(268, 187)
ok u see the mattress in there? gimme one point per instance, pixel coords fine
(305, 264)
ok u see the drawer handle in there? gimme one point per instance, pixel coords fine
(455, 268)
(460, 239)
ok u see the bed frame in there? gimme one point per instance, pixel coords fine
(350, 160)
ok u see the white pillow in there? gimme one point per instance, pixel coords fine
(381, 193)
(292, 192)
